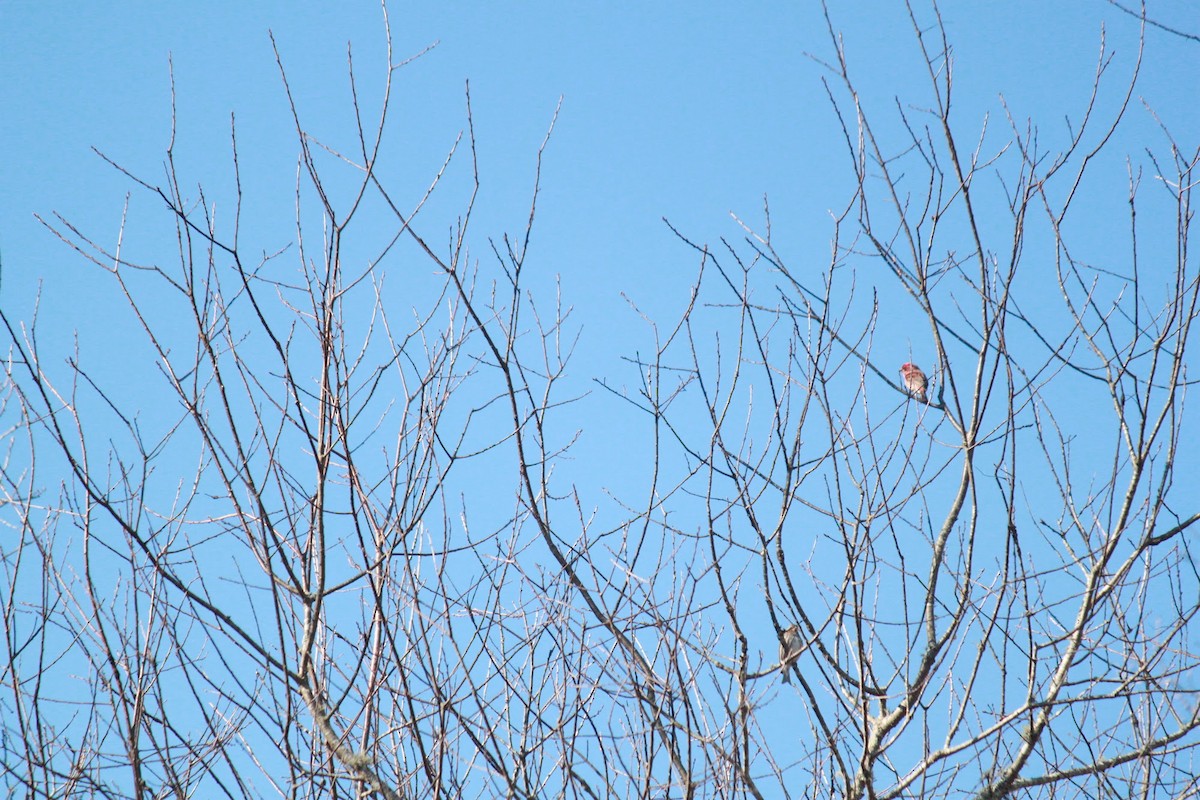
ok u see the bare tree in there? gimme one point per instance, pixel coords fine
(329, 549)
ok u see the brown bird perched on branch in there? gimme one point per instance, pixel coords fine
(914, 380)
(789, 650)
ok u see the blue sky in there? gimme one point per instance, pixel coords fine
(682, 110)
(688, 111)
(679, 110)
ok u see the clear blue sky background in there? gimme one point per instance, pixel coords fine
(687, 111)
(683, 110)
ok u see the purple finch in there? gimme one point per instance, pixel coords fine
(914, 380)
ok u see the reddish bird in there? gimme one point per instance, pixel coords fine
(914, 380)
